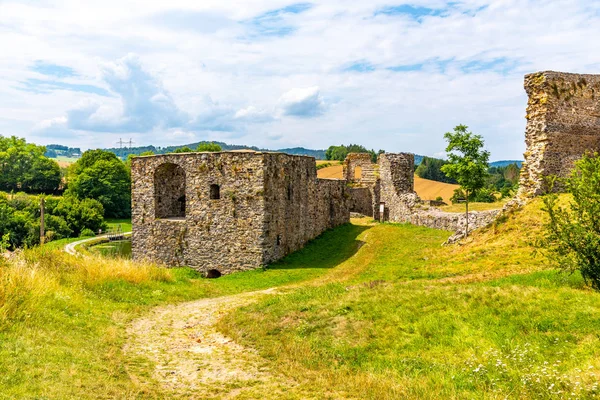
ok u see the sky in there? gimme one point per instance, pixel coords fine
(388, 75)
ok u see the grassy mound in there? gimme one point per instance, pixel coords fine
(405, 317)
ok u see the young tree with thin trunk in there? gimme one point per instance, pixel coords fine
(468, 162)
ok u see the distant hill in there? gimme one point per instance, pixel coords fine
(124, 152)
(504, 163)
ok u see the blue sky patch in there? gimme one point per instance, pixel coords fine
(406, 68)
(501, 65)
(415, 12)
(47, 86)
(272, 23)
(59, 71)
(359, 66)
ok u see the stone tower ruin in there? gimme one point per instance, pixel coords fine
(563, 122)
(230, 211)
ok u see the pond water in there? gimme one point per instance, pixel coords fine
(120, 248)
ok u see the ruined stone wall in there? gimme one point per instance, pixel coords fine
(396, 171)
(368, 174)
(224, 234)
(455, 222)
(298, 206)
(361, 200)
(563, 122)
(365, 200)
(403, 205)
(241, 210)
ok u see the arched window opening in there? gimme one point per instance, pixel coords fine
(358, 173)
(169, 191)
(215, 192)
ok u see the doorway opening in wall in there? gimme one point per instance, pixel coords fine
(169, 192)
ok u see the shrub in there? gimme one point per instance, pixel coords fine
(572, 236)
(87, 233)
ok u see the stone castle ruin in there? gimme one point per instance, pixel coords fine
(233, 211)
(230, 211)
(563, 122)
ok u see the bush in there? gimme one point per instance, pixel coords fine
(87, 233)
(571, 240)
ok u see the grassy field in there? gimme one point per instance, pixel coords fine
(405, 318)
(65, 161)
(377, 311)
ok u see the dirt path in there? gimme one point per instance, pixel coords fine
(71, 247)
(193, 360)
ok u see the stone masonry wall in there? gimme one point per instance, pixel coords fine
(563, 122)
(270, 204)
(403, 205)
(298, 206)
(368, 174)
(361, 200)
(224, 234)
(396, 172)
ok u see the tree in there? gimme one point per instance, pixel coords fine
(212, 147)
(431, 168)
(468, 162)
(571, 238)
(183, 149)
(340, 152)
(23, 166)
(100, 175)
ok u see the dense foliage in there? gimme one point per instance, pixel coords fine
(340, 152)
(100, 175)
(572, 236)
(208, 147)
(23, 167)
(64, 217)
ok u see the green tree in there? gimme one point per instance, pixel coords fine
(212, 147)
(80, 214)
(183, 149)
(23, 166)
(468, 162)
(572, 236)
(431, 168)
(100, 175)
(340, 152)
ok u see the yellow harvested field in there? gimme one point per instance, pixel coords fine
(430, 190)
(335, 172)
(425, 188)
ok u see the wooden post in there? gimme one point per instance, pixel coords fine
(42, 227)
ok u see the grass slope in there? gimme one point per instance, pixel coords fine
(374, 310)
(63, 319)
(406, 318)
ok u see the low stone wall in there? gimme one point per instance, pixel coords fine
(455, 222)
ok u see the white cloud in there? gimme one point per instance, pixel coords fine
(302, 102)
(218, 69)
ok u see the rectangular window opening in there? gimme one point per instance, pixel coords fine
(215, 192)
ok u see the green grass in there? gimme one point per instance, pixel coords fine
(70, 160)
(461, 207)
(63, 319)
(415, 320)
(375, 311)
(124, 223)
